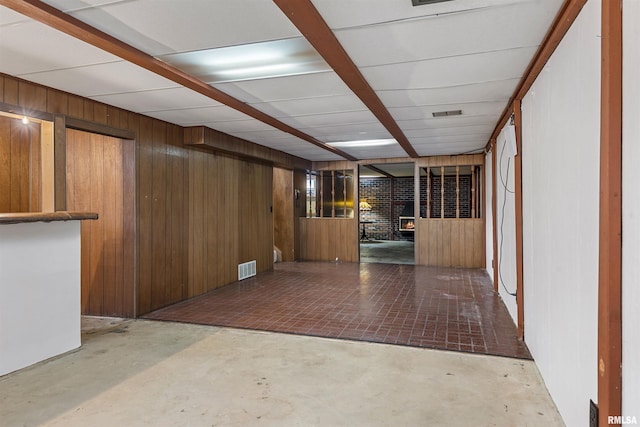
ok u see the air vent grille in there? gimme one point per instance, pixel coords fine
(447, 113)
(423, 2)
(246, 270)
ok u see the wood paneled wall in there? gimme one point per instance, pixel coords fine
(179, 191)
(325, 239)
(20, 170)
(450, 242)
(283, 213)
(230, 219)
(100, 178)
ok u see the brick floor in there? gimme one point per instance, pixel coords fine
(443, 308)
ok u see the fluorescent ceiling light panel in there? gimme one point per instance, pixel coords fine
(278, 58)
(364, 143)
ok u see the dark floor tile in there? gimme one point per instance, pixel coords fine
(446, 308)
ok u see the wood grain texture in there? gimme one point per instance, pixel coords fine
(283, 213)
(450, 242)
(325, 239)
(188, 203)
(99, 179)
(20, 166)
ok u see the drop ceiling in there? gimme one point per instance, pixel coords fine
(464, 55)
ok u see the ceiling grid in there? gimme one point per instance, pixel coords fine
(464, 55)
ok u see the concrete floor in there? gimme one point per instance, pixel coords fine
(387, 251)
(138, 372)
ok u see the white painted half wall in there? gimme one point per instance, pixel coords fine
(561, 151)
(631, 210)
(39, 292)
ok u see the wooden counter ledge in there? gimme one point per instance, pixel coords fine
(16, 218)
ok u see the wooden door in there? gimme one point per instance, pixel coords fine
(100, 178)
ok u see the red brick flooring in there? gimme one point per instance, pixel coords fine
(443, 308)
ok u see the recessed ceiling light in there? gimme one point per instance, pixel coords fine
(447, 113)
(363, 143)
(253, 61)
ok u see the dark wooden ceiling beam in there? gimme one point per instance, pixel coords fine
(308, 20)
(60, 21)
(564, 19)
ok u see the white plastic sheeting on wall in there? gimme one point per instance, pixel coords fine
(561, 155)
(506, 223)
(488, 214)
(631, 211)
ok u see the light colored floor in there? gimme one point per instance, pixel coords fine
(146, 373)
(387, 251)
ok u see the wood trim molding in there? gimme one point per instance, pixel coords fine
(564, 19)
(100, 129)
(517, 114)
(494, 209)
(610, 250)
(58, 20)
(21, 111)
(308, 20)
(60, 162)
(204, 137)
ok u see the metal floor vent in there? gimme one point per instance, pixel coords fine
(246, 270)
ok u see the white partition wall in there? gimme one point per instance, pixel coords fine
(39, 292)
(631, 211)
(560, 164)
(488, 214)
(506, 223)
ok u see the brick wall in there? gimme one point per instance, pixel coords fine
(450, 196)
(377, 192)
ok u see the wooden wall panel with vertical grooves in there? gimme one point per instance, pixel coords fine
(99, 178)
(450, 242)
(20, 174)
(189, 204)
(325, 239)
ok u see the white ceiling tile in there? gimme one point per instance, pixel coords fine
(454, 71)
(309, 106)
(9, 17)
(169, 26)
(363, 129)
(342, 14)
(450, 34)
(446, 122)
(470, 109)
(197, 116)
(158, 100)
(459, 131)
(500, 90)
(355, 136)
(376, 152)
(329, 119)
(93, 80)
(449, 149)
(286, 88)
(452, 139)
(238, 126)
(314, 153)
(31, 47)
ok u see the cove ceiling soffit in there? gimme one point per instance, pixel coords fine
(322, 80)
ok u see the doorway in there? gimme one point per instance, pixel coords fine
(100, 172)
(386, 202)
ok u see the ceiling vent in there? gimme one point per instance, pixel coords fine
(422, 2)
(447, 113)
